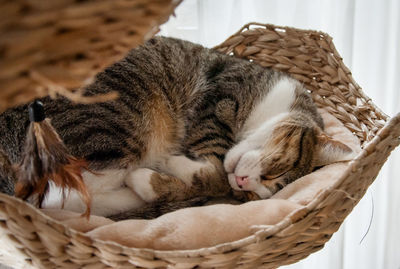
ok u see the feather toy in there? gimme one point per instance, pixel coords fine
(46, 158)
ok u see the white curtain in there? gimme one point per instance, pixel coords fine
(367, 35)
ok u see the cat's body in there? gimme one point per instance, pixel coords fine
(189, 122)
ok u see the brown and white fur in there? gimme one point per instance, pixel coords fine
(190, 122)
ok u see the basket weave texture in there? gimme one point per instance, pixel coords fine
(311, 58)
(50, 47)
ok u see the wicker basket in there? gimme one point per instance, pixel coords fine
(311, 58)
(50, 47)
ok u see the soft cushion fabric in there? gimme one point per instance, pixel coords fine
(197, 227)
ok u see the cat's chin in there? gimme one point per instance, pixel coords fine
(263, 192)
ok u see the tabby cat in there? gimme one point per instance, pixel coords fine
(190, 122)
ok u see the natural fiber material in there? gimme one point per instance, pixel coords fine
(50, 47)
(310, 57)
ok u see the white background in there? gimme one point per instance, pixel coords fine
(367, 35)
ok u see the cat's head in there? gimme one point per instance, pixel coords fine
(292, 148)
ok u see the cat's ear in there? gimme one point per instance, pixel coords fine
(330, 151)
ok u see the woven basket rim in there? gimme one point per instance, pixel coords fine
(261, 26)
(159, 253)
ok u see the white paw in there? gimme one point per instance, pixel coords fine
(233, 156)
(139, 182)
(249, 164)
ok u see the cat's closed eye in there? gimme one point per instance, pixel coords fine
(271, 177)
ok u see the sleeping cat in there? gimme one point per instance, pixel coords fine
(189, 122)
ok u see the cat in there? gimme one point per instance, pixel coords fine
(189, 122)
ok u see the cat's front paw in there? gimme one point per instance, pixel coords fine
(233, 156)
(140, 182)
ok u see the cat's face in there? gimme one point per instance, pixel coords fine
(292, 149)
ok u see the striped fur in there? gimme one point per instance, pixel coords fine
(181, 109)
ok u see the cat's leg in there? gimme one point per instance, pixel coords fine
(103, 203)
(109, 194)
(153, 186)
(184, 168)
(182, 178)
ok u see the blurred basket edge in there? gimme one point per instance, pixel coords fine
(56, 47)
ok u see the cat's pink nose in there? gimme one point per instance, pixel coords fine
(241, 181)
